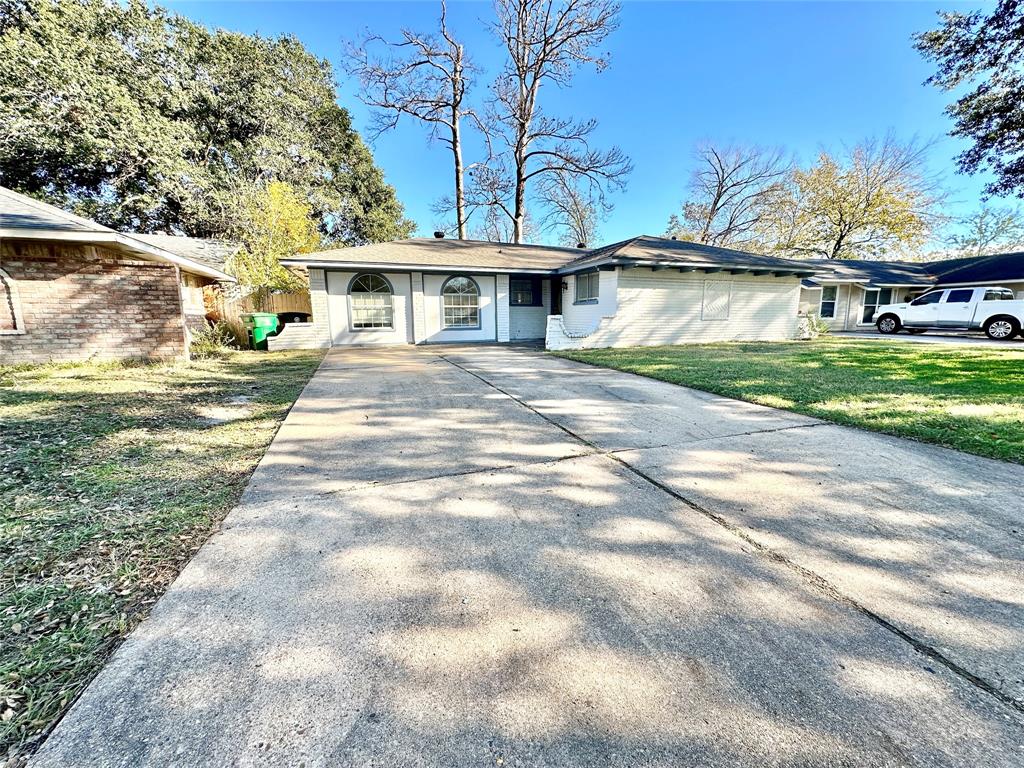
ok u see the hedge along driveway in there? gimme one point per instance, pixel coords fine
(111, 477)
(967, 398)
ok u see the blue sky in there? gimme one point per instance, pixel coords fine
(801, 75)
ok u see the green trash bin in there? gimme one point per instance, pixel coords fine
(260, 325)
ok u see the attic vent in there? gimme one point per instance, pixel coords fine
(439, 234)
(581, 245)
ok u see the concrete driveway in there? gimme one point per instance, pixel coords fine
(491, 557)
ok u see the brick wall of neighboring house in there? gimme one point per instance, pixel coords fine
(78, 302)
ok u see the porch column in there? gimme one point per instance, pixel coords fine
(501, 299)
(318, 304)
(419, 319)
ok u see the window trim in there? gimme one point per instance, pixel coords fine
(536, 291)
(19, 318)
(834, 301)
(864, 304)
(594, 299)
(351, 318)
(479, 305)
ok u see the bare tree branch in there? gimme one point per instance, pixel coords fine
(546, 41)
(730, 194)
(423, 77)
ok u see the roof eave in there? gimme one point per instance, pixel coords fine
(145, 250)
(568, 269)
(406, 267)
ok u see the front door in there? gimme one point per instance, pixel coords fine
(556, 295)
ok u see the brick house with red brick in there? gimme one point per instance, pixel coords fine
(71, 289)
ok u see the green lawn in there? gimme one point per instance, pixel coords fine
(111, 477)
(971, 398)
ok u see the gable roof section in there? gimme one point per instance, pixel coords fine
(874, 273)
(979, 269)
(660, 251)
(438, 254)
(25, 218)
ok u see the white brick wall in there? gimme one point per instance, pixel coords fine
(584, 317)
(318, 305)
(297, 336)
(653, 308)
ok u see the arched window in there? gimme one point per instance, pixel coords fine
(372, 306)
(10, 310)
(461, 301)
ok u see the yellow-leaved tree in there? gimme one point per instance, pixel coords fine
(276, 223)
(876, 200)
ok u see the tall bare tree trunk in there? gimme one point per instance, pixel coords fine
(460, 194)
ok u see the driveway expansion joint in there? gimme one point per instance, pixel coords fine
(811, 578)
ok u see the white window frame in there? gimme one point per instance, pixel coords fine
(353, 309)
(15, 298)
(593, 293)
(834, 301)
(476, 305)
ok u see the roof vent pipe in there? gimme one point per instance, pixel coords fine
(673, 237)
(439, 234)
(581, 245)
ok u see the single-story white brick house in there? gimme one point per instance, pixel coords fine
(642, 291)
(845, 293)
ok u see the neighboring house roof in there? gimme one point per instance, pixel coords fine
(212, 253)
(25, 218)
(919, 274)
(979, 269)
(439, 254)
(875, 273)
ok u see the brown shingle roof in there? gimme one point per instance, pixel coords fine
(435, 252)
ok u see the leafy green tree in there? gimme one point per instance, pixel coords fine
(274, 223)
(145, 120)
(985, 50)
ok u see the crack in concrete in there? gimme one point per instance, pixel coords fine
(812, 578)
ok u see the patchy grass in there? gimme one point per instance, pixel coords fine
(970, 398)
(111, 477)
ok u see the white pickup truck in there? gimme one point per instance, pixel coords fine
(993, 310)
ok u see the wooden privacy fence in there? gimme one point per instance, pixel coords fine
(231, 310)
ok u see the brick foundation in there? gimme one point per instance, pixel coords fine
(81, 302)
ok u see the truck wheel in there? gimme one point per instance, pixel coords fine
(1001, 327)
(888, 324)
